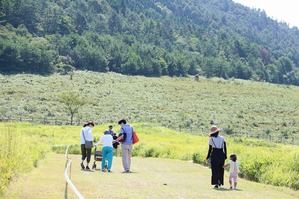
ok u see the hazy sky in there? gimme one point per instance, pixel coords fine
(281, 10)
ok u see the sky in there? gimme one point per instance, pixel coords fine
(280, 10)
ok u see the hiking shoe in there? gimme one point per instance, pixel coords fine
(82, 166)
(109, 170)
(126, 171)
(87, 168)
(216, 187)
(230, 187)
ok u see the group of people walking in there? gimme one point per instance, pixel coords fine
(217, 153)
(110, 144)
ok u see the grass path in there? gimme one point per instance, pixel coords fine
(150, 178)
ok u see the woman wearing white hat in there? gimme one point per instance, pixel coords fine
(218, 154)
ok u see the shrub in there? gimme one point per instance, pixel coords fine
(197, 158)
(19, 152)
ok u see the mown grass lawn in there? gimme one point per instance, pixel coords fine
(150, 178)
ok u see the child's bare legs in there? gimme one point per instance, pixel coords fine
(233, 176)
(235, 185)
(230, 184)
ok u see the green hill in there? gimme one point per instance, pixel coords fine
(237, 106)
(216, 38)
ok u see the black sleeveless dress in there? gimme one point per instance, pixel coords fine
(217, 162)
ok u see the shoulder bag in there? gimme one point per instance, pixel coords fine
(134, 137)
(88, 144)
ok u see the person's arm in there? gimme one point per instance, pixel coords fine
(209, 152)
(100, 141)
(119, 138)
(226, 165)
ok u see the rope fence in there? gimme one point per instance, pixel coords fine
(67, 175)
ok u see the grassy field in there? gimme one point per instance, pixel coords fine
(249, 108)
(24, 144)
(150, 178)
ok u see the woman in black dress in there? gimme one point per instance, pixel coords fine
(218, 154)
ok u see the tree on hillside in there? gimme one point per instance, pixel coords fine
(144, 37)
(72, 103)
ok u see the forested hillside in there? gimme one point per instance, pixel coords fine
(147, 37)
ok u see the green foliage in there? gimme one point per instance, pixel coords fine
(72, 102)
(19, 151)
(20, 52)
(61, 149)
(239, 107)
(24, 144)
(198, 158)
(150, 38)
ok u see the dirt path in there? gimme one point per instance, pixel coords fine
(150, 178)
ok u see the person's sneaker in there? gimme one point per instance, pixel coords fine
(82, 166)
(216, 187)
(126, 171)
(235, 188)
(87, 168)
(230, 187)
(109, 170)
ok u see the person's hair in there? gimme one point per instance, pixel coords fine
(85, 124)
(90, 123)
(233, 157)
(110, 126)
(122, 121)
(215, 134)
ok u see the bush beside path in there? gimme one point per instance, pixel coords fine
(150, 178)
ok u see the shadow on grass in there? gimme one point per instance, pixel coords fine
(86, 170)
(130, 172)
(227, 189)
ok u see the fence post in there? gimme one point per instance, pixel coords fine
(67, 174)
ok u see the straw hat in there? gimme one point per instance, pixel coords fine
(214, 129)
